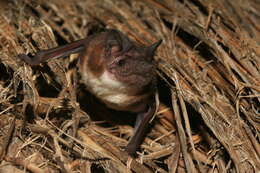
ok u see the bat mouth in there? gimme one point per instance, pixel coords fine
(132, 79)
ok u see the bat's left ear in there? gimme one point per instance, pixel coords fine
(117, 41)
(152, 48)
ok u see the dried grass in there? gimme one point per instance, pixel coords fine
(209, 73)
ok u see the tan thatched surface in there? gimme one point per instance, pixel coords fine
(209, 86)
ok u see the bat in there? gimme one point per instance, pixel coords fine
(119, 72)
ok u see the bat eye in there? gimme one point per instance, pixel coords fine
(121, 62)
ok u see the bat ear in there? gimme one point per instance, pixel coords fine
(151, 49)
(113, 46)
(121, 39)
(115, 41)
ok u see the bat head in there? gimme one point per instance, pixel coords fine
(128, 62)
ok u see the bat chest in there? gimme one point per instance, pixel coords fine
(111, 92)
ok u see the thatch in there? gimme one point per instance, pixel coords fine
(209, 87)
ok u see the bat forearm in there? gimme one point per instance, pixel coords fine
(57, 52)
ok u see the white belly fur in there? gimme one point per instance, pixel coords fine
(112, 92)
